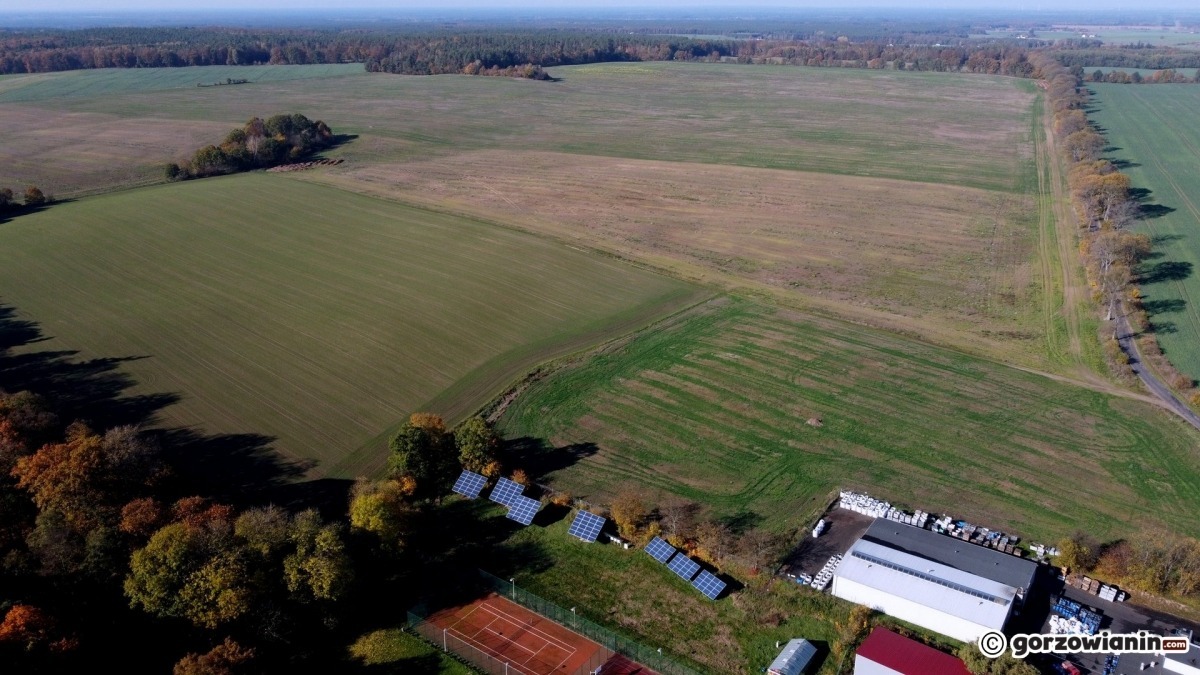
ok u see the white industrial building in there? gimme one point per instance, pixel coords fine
(1185, 664)
(938, 582)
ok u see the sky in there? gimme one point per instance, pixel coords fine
(399, 6)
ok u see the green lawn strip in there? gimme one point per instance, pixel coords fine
(716, 408)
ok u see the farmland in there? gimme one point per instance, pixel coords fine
(901, 200)
(927, 127)
(905, 201)
(308, 314)
(714, 407)
(1152, 129)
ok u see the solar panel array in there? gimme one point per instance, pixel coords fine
(684, 566)
(505, 492)
(660, 550)
(469, 484)
(523, 509)
(586, 526)
(708, 584)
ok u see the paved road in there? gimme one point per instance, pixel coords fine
(1125, 337)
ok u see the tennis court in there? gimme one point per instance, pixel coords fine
(516, 641)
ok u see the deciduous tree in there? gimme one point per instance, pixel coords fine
(629, 512)
(380, 509)
(1078, 552)
(477, 444)
(34, 196)
(227, 658)
(319, 569)
(423, 449)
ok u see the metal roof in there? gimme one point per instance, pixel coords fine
(973, 598)
(908, 657)
(951, 552)
(1191, 658)
(793, 659)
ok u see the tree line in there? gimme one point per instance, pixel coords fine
(427, 51)
(1160, 58)
(1154, 560)
(1165, 76)
(1106, 209)
(258, 144)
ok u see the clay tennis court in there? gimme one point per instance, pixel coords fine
(529, 643)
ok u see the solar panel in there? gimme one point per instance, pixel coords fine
(708, 584)
(586, 526)
(505, 492)
(684, 566)
(660, 550)
(523, 509)
(469, 484)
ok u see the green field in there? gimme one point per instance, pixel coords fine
(309, 314)
(55, 87)
(1154, 129)
(932, 127)
(715, 406)
(1126, 35)
(1144, 72)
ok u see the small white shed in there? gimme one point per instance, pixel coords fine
(794, 658)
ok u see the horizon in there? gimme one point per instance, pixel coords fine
(163, 8)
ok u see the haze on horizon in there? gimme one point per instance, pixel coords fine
(160, 7)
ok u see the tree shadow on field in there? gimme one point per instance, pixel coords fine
(1167, 306)
(742, 522)
(92, 390)
(19, 210)
(1168, 270)
(1145, 209)
(1122, 164)
(1160, 239)
(539, 459)
(238, 468)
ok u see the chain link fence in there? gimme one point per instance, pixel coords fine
(652, 658)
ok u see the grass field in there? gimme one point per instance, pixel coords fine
(1127, 35)
(714, 407)
(73, 84)
(947, 262)
(632, 593)
(395, 651)
(310, 314)
(931, 127)
(900, 200)
(1153, 129)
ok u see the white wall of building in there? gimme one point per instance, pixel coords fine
(913, 612)
(865, 666)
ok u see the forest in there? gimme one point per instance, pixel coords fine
(448, 51)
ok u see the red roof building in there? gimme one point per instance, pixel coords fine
(888, 653)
